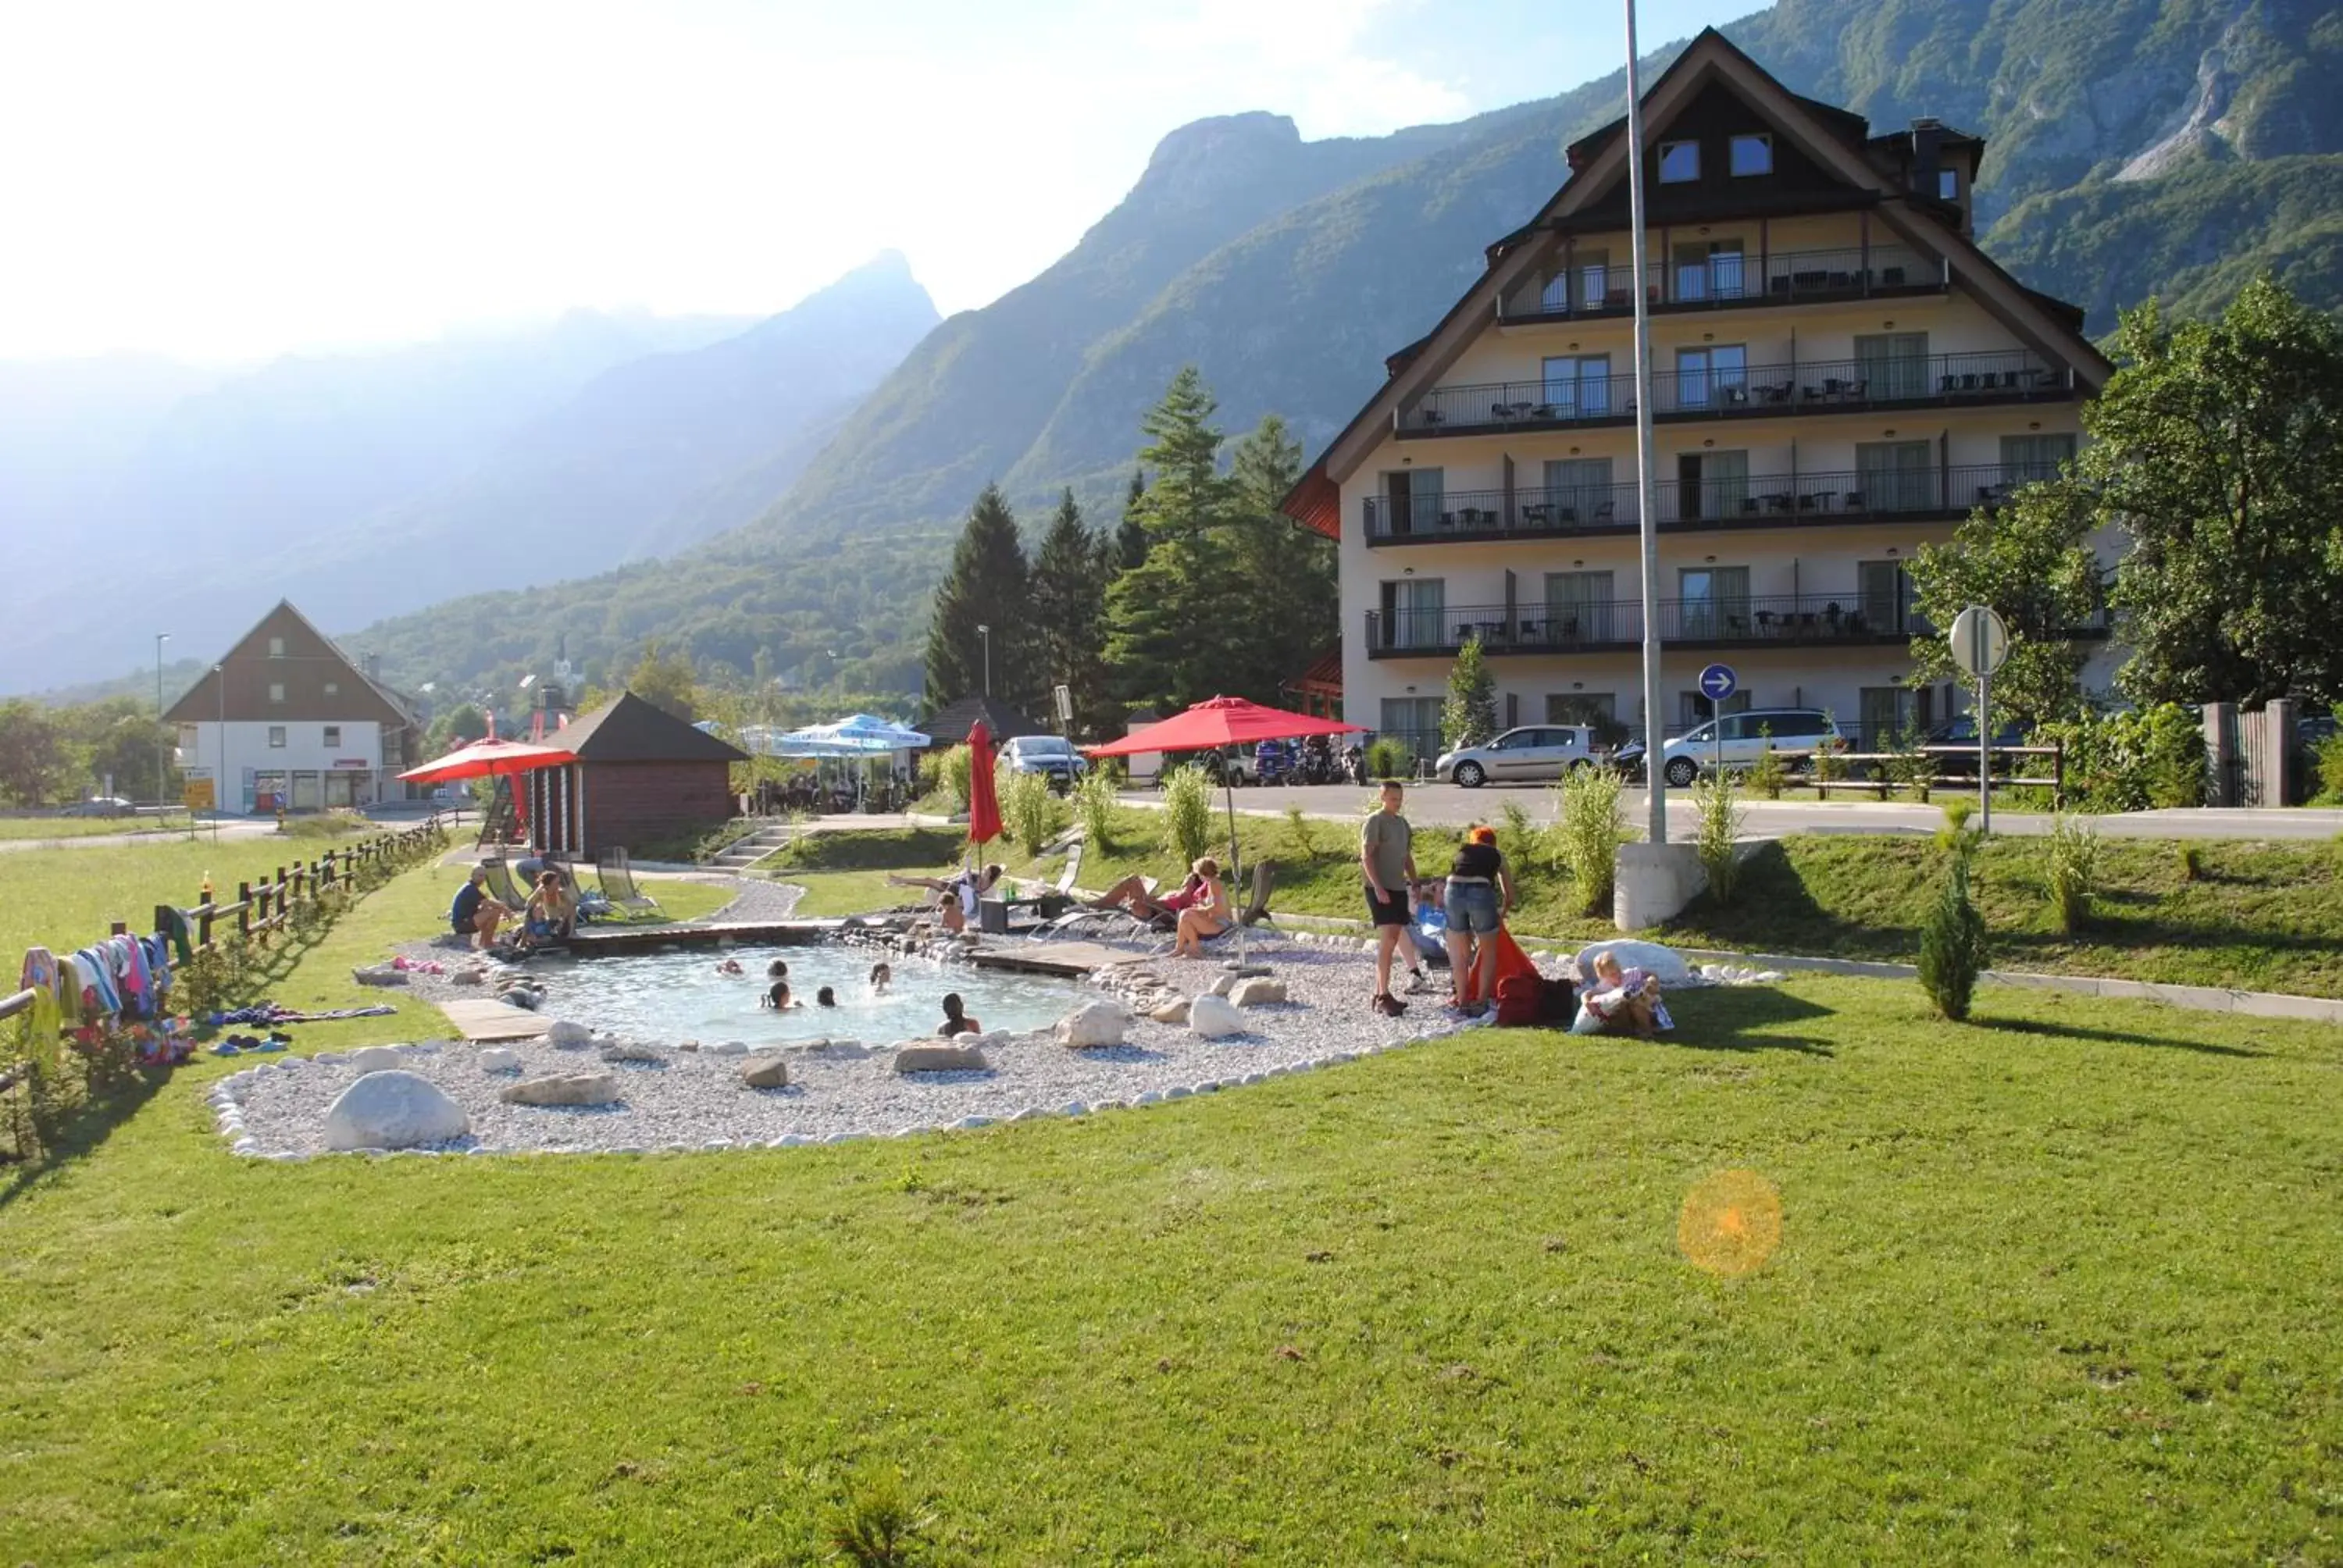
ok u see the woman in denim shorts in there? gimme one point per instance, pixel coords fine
(1479, 896)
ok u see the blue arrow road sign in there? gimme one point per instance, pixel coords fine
(1716, 682)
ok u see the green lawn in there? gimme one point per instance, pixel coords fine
(2262, 916)
(87, 827)
(2047, 1285)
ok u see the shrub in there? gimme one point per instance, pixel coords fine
(2192, 863)
(1908, 765)
(1187, 812)
(874, 1527)
(1829, 768)
(2071, 871)
(1030, 812)
(1298, 841)
(1952, 942)
(2170, 743)
(1519, 839)
(1389, 757)
(956, 765)
(1094, 806)
(1717, 815)
(2130, 761)
(1767, 775)
(1589, 828)
(2328, 758)
(1957, 812)
(930, 775)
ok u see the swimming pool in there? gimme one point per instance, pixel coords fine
(668, 997)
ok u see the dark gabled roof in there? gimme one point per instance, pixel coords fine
(632, 730)
(952, 721)
(1844, 122)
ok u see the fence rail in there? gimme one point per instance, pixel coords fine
(1723, 279)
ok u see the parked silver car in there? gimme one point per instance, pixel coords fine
(1051, 756)
(1534, 751)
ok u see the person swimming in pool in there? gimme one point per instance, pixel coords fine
(881, 977)
(777, 999)
(956, 1018)
(777, 970)
(730, 967)
(825, 997)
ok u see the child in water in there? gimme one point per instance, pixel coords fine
(881, 977)
(777, 999)
(777, 970)
(728, 966)
(956, 1018)
(825, 997)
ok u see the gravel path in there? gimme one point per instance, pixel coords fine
(695, 1099)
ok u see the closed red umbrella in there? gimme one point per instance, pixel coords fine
(983, 799)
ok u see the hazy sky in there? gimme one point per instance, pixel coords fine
(232, 179)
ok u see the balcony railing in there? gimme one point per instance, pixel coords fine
(1780, 620)
(1758, 501)
(1732, 279)
(1766, 391)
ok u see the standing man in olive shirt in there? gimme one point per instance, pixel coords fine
(1387, 856)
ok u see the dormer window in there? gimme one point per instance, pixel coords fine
(276, 648)
(1752, 156)
(1948, 185)
(1679, 162)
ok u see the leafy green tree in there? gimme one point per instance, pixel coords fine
(118, 739)
(2217, 447)
(666, 681)
(1170, 618)
(459, 726)
(2031, 561)
(1469, 717)
(1070, 581)
(32, 752)
(989, 583)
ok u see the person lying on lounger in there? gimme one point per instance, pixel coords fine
(962, 893)
(1130, 895)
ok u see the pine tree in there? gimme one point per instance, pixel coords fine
(1285, 573)
(988, 584)
(1170, 620)
(1469, 717)
(1070, 578)
(1130, 535)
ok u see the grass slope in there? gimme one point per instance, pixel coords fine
(2044, 1287)
(87, 827)
(2263, 916)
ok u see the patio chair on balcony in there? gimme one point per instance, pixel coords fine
(1764, 623)
(1891, 278)
(1604, 510)
(1856, 391)
(1851, 502)
(1431, 417)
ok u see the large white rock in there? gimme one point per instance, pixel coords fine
(566, 1089)
(1092, 1024)
(938, 1059)
(730, 1048)
(499, 1058)
(378, 1059)
(1174, 1009)
(566, 1031)
(766, 1073)
(393, 1109)
(1258, 991)
(1213, 1016)
(1663, 962)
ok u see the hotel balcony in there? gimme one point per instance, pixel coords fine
(1840, 620)
(1792, 390)
(1729, 280)
(1759, 501)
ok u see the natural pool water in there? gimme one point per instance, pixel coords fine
(664, 997)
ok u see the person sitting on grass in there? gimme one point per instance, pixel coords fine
(777, 999)
(474, 914)
(1201, 922)
(1621, 1001)
(956, 1018)
(1132, 896)
(962, 893)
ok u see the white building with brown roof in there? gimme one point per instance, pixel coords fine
(1839, 376)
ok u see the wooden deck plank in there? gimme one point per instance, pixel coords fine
(478, 1017)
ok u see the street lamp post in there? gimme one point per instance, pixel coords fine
(1656, 787)
(219, 784)
(162, 762)
(986, 633)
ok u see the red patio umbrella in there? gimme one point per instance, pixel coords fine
(983, 798)
(1223, 721)
(488, 758)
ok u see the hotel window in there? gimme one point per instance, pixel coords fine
(188, 738)
(276, 736)
(2026, 458)
(276, 648)
(1679, 162)
(333, 688)
(275, 691)
(1753, 155)
(1415, 613)
(1948, 185)
(333, 734)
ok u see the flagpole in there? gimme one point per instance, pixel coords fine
(1656, 787)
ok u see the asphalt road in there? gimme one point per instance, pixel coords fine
(1451, 806)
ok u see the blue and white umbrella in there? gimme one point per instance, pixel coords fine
(859, 734)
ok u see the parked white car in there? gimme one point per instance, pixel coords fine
(1533, 751)
(1795, 734)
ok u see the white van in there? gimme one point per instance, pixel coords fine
(1794, 733)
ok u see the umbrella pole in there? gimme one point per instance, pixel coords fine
(1236, 871)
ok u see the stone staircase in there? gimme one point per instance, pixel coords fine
(745, 852)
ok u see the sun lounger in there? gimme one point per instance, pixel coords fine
(618, 878)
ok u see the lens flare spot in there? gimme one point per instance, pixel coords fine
(1731, 1224)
